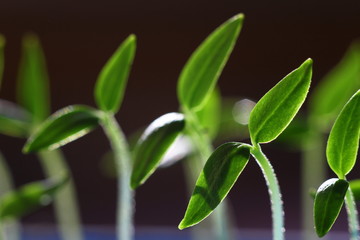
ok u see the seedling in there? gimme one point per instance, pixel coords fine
(270, 116)
(341, 153)
(198, 99)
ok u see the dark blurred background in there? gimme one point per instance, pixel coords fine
(79, 36)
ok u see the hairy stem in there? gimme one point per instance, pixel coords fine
(274, 192)
(66, 206)
(203, 146)
(352, 215)
(125, 209)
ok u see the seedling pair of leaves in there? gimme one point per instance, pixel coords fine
(341, 153)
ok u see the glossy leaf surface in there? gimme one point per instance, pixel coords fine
(210, 113)
(111, 83)
(343, 142)
(200, 74)
(328, 202)
(153, 144)
(336, 88)
(32, 89)
(14, 121)
(215, 181)
(29, 197)
(2, 60)
(66, 125)
(275, 110)
(355, 188)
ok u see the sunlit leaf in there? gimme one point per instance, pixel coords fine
(14, 121)
(355, 188)
(215, 181)
(336, 88)
(200, 74)
(328, 202)
(209, 114)
(30, 197)
(111, 83)
(66, 125)
(275, 110)
(343, 142)
(2, 60)
(153, 144)
(32, 89)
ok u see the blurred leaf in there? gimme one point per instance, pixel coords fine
(343, 142)
(2, 60)
(64, 126)
(200, 74)
(275, 110)
(111, 83)
(209, 114)
(32, 89)
(355, 188)
(153, 144)
(336, 88)
(30, 197)
(14, 121)
(328, 202)
(215, 181)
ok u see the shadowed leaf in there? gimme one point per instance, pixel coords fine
(200, 74)
(355, 188)
(220, 173)
(275, 110)
(153, 144)
(64, 126)
(328, 202)
(111, 83)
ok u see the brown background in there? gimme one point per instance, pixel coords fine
(79, 36)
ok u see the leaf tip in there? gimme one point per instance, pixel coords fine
(182, 225)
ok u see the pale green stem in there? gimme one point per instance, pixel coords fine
(65, 203)
(313, 173)
(274, 192)
(10, 229)
(125, 209)
(203, 146)
(352, 215)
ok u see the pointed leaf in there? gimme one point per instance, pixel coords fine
(14, 121)
(355, 188)
(336, 88)
(111, 83)
(153, 144)
(209, 115)
(2, 60)
(215, 181)
(343, 142)
(328, 202)
(64, 126)
(275, 110)
(32, 89)
(200, 74)
(30, 197)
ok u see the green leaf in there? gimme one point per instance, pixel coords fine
(2, 60)
(33, 89)
(343, 142)
(153, 144)
(355, 188)
(210, 113)
(336, 88)
(111, 83)
(30, 197)
(200, 74)
(64, 126)
(215, 181)
(14, 121)
(328, 202)
(275, 110)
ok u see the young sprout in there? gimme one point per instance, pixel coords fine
(270, 116)
(341, 153)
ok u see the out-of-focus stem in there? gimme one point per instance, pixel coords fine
(352, 215)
